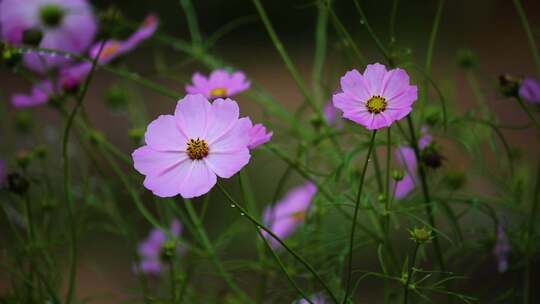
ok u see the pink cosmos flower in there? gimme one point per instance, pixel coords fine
(40, 95)
(184, 152)
(150, 250)
(66, 25)
(530, 90)
(377, 98)
(289, 213)
(220, 84)
(502, 249)
(407, 159)
(259, 136)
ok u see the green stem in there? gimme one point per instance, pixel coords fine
(320, 51)
(355, 216)
(529, 33)
(409, 274)
(528, 112)
(393, 15)
(280, 263)
(67, 179)
(374, 36)
(530, 233)
(285, 57)
(259, 225)
(212, 252)
(429, 56)
(193, 25)
(425, 192)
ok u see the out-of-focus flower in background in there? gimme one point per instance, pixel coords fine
(315, 299)
(219, 84)
(40, 94)
(259, 136)
(287, 214)
(65, 25)
(184, 152)
(530, 90)
(502, 249)
(377, 98)
(152, 251)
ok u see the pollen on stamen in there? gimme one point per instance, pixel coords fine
(376, 104)
(218, 92)
(197, 149)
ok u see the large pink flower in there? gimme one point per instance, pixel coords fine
(66, 25)
(184, 152)
(219, 84)
(377, 98)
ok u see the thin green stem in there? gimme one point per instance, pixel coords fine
(355, 216)
(530, 233)
(409, 274)
(429, 56)
(320, 51)
(374, 36)
(393, 15)
(284, 269)
(192, 22)
(425, 192)
(285, 57)
(530, 36)
(212, 252)
(528, 112)
(67, 179)
(259, 225)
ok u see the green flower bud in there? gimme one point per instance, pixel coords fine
(509, 85)
(41, 152)
(398, 174)
(23, 158)
(116, 97)
(137, 135)
(467, 59)
(431, 156)
(51, 15)
(23, 121)
(421, 235)
(32, 37)
(168, 251)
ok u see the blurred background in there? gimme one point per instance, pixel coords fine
(490, 28)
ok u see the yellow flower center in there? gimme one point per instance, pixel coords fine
(376, 104)
(218, 92)
(299, 216)
(197, 149)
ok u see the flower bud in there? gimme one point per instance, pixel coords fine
(168, 251)
(116, 98)
(398, 174)
(137, 135)
(23, 159)
(17, 183)
(32, 37)
(421, 235)
(509, 85)
(23, 121)
(431, 156)
(467, 59)
(41, 152)
(11, 58)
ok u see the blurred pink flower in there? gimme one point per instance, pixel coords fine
(219, 84)
(184, 152)
(259, 136)
(286, 215)
(150, 250)
(377, 98)
(502, 249)
(407, 159)
(41, 93)
(66, 25)
(315, 299)
(530, 90)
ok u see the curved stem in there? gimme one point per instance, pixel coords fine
(425, 192)
(528, 112)
(212, 252)
(409, 274)
(530, 232)
(355, 216)
(529, 33)
(67, 178)
(259, 225)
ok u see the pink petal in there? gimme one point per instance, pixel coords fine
(163, 134)
(236, 139)
(395, 82)
(227, 164)
(226, 114)
(353, 83)
(199, 182)
(170, 182)
(151, 162)
(405, 99)
(193, 116)
(374, 75)
(379, 121)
